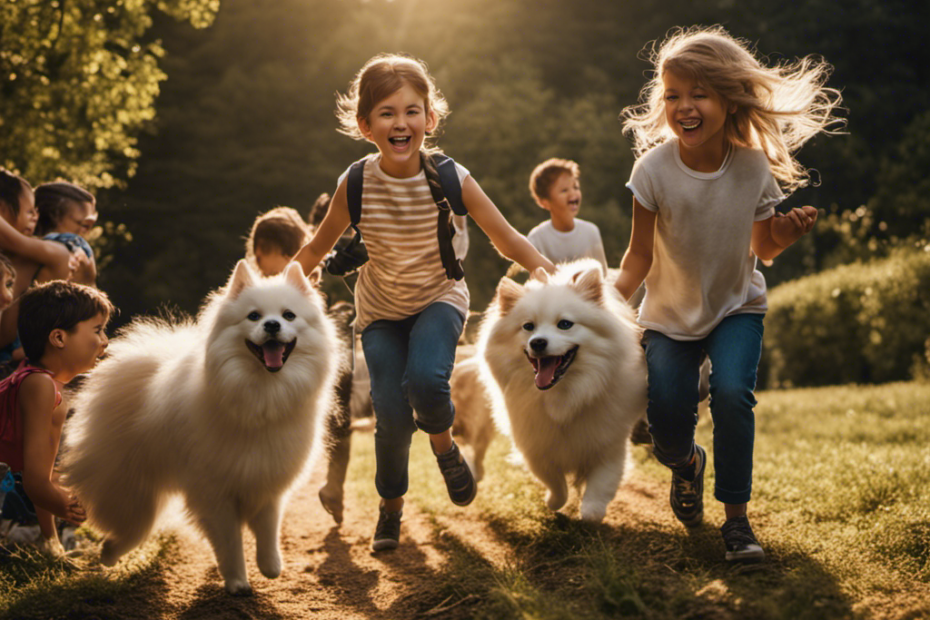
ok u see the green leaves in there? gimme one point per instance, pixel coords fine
(78, 82)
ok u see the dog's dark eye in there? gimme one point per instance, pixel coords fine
(529, 327)
(289, 316)
(254, 316)
(564, 324)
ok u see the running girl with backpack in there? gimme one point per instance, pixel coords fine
(411, 296)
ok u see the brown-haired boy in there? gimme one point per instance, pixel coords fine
(62, 329)
(556, 187)
(276, 236)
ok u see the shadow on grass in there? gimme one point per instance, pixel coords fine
(355, 587)
(59, 590)
(211, 601)
(645, 570)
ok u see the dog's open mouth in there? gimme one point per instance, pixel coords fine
(272, 353)
(550, 369)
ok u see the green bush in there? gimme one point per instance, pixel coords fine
(859, 323)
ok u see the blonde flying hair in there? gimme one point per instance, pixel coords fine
(381, 77)
(778, 108)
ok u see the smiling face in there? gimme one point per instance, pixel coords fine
(564, 200)
(397, 125)
(6, 288)
(697, 116)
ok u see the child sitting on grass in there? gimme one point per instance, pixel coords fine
(62, 328)
(556, 187)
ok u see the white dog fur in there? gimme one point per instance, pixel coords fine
(577, 424)
(192, 408)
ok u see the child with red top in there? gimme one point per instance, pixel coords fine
(61, 326)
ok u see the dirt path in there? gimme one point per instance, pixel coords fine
(329, 572)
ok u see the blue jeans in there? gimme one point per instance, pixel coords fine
(410, 362)
(734, 348)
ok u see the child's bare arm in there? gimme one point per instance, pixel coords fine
(505, 238)
(331, 228)
(772, 236)
(50, 253)
(40, 446)
(637, 261)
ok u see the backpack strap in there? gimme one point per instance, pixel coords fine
(449, 182)
(354, 191)
(447, 202)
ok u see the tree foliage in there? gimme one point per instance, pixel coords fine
(78, 80)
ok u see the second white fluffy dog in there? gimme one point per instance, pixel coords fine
(564, 365)
(223, 410)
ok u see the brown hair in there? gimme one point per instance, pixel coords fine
(12, 189)
(381, 77)
(281, 228)
(56, 305)
(54, 200)
(778, 108)
(547, 173)
(319, 209)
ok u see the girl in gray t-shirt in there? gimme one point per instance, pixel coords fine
(715, 139)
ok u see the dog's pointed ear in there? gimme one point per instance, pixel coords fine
(540, 274)
(241, 279)
(508, 294)
(294, 274)
(589, 284)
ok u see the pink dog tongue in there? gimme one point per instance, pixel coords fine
(273, 352)
(545, 372)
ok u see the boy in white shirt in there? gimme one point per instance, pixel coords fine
(556, 187)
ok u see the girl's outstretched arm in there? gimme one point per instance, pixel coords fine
(637, 260)
(505, 238)
(770, 237)
(331, 228)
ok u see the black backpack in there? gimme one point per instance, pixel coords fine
(443, 180)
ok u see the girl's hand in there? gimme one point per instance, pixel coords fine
(793, 225)
(74, 512)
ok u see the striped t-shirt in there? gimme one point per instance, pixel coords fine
(404, 272)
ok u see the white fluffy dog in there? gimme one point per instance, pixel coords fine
(223, 410)
(567, 374)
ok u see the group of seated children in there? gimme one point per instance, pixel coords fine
(52, 328)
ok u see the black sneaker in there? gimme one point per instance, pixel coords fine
(687, 496)
(459, 481)
(387, 532)
(741, 543)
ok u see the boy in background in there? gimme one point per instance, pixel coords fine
(556, 187)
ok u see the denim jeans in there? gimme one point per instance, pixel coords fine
(410, 362)
(734, 348)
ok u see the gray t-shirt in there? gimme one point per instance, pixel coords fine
(703, 269)
(583, 241)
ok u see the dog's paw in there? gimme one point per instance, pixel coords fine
(238, 587)
(110, 553)
(555, 500)
(593, 513)
(332, 503)
(269, 563)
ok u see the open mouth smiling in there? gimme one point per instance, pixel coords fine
(690, 124)
(272, 353)
(399, 141)
(550, 369)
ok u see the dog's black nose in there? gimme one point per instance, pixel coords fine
(272, 327)
(539, 344)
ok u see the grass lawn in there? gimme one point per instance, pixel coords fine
(841, 505)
